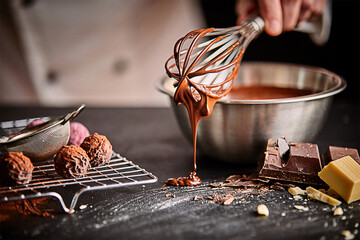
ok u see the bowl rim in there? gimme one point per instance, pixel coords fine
(339, 87)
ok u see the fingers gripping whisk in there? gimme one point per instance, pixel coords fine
(207, 60)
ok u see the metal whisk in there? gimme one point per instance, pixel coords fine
(208, 59)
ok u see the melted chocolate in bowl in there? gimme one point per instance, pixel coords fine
(262, 92)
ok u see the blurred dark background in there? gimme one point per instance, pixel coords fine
(340, 54)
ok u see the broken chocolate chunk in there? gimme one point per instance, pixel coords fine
(283, 147)
(334, 153)
(302, 166)
(305, 157)
(244, 181)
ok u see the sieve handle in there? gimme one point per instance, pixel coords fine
(72, 115)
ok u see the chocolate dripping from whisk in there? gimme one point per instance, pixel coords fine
(199, 99)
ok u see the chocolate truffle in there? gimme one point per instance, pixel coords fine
(98, 149)
(78, 133)
(71, 162)
(15, 168)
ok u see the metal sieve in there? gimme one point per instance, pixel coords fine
(41, 142)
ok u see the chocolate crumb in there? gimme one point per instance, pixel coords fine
(215, 185)
(198, 198)
(277, 187)
(209, 197)
(227, 200)
(221, 199)
(170, 195)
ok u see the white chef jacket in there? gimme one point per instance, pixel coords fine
(101, 53)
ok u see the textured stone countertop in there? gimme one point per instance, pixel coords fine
(151, 138)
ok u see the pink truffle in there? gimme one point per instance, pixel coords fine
(35, 123)
(78, 133)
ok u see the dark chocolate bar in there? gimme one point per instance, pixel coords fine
(302, 165)
(334, 153)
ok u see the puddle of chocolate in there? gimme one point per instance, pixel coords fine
(192, 180)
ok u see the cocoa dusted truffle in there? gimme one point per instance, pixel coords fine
(15, 168)
(71, 162)
(98, 149)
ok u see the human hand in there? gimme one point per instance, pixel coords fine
(280, 15)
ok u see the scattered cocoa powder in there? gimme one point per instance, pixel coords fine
(36, 207)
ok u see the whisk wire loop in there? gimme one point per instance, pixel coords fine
(208, 59)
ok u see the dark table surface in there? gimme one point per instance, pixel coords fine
(151, 138)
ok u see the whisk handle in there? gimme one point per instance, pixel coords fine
(318, 28)
(259, 24)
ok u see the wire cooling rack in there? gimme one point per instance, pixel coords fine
(47, 183)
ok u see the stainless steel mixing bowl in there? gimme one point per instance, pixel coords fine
(237, 130)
